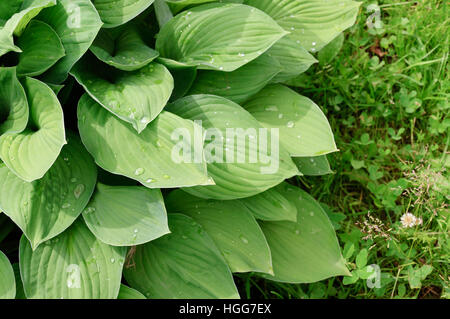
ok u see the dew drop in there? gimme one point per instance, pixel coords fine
(79, 189)
(243, 239)
(139, 171)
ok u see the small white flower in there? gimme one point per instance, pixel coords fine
(409, 220)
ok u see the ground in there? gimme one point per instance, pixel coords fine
(386, 94)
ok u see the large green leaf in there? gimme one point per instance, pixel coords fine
(31, 153)
(13, 103)
(184, 264)
(237, 163)
(313, 166)
(183, 76)
(293, 59)
(7, 279)
(271, 205)
(218, 36)
(14, 17)
(129, 293)
(74, 265)
(305, 251)
(46, 207)
(135, 97)
(178, 5)
(145, 157)
(41, 48)
(123, 48)
(232, 227)
(238, 85)
(117, 12)
(312, 22)
(126, 215)
(77, 24)
(304, 129)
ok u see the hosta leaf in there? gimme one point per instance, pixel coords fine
(183, 264)
(305, 251)
(313, 166)
(314, 23)
(231, 226)
(238, 85)
(126, 215)
(74, 265)
(271, 205)
(13, 103)
(183, 76)
(329, 52)
(135, 97)
(31, 153)
(304, 129)
(14, 17)
(46, 207)
(248, 169)
(163, 12)
(123, 48)
(7, 279)
(77, 24)
(126, 292)
(178, 5)
(145, 157)
(41, 48)
(218, 36)
(117, 12)
(293, 59)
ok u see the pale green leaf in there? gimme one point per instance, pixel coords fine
(136, 97)
(178, 5)
(126, 292)
(46, 207)
(304, 129)
(145, 157)
(313, 166)
(74, 265)
(31, 153)
(236, 162)
(7, 279)
(305, 251)
(183, 264)
(292, 58)
(14, 17)
(240, 84)
(123, 48)
(312, 22)
(126, 215)
(13, 103)
(271, 205)
(117, 12)
(41, 48)
(329, 52)
(231, 226)
(218, 36)
(77, 23)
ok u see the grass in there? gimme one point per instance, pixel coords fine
(386, 95)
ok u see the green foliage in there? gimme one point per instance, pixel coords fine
(90, 158)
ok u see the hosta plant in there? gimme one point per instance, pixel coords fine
(147, 147)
